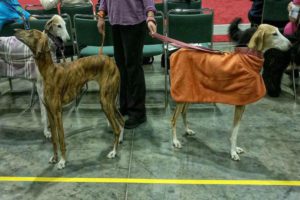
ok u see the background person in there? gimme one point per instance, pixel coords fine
(255, 15)
(255, 12)
(11, 11)
(49, 4)
(292, 26)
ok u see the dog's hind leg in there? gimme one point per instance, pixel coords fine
(188, 131)
(177, 111)
(121, 123)
(109, 110)
(238, 113)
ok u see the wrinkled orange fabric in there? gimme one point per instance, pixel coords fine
(230, 78)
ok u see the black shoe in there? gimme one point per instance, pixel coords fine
(133, 122)
(123, 112)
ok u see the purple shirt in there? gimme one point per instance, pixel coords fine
(126, 12)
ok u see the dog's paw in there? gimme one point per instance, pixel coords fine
(53, 160)
(177, 144)
(47, 134)
(235, 156)
(111, 154)
(239, 150)
(189, 132)
(61, 164)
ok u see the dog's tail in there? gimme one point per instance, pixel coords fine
(234, 31)
(240, 37)
(102, 42)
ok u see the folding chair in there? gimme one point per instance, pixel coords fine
(195, 4)
(37, 9)
(87, 9)
(88, 38)
(275, 13)
(190, 26)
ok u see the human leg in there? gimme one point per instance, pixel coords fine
(120, 61)
(133, 40)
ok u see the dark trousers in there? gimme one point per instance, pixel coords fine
(128, 51)
(256, 20)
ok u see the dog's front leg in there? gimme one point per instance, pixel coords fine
(39, 86)
(54, 139)
(188, 131)
(238, 113)
(178, 110)
(61, 138)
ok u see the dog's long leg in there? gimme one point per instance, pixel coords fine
(178, 110)
(183, 114)
(109, 110)
(116, 128)
(61, 138)
(39, 86)
(238, 113)
(54, 139)
(121, 123)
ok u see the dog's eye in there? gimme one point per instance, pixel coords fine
(59, 26)
(275, 34)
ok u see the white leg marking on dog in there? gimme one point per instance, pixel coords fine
(177, 143)
(39, 88)
(53, 160)
(108, 124)
(189, 131)
(47, 133)
(61, 164)
(234, 154)
(239, 150)
(121, 137)
(112, 154)
(238, 113)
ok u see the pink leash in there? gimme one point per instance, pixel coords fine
(181, 44)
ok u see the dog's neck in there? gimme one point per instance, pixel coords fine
(47, 58)
(59, 44)
(44, 62)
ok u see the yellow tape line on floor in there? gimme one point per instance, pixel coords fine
(151, 181)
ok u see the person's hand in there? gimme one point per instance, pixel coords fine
(152, 27)
(290, 5)
(100, 25)
(32, 18)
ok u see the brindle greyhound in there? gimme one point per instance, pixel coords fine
(62, 82)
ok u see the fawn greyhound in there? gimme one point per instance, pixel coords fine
(62, 82)
(231, 78)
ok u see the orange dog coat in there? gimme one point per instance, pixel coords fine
(230, 78)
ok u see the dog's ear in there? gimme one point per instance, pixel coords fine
(49, 25)
(41, 45)
(257, 40)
